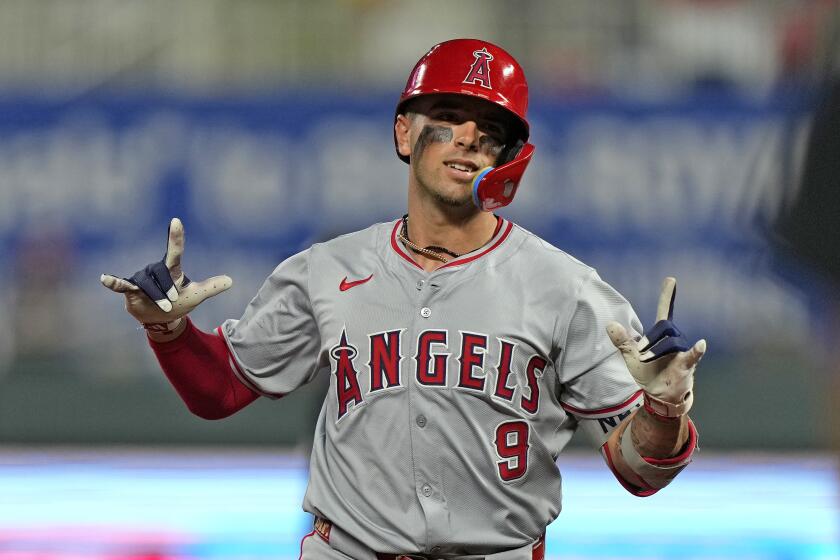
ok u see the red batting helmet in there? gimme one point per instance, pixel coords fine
(479, 69)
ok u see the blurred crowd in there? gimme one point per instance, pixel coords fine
(630, 47)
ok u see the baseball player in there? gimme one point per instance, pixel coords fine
(463, 351)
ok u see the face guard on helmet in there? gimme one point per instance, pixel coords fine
(479, 69)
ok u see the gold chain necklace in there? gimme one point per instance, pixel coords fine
(432, 251)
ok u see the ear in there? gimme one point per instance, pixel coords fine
(402, 127)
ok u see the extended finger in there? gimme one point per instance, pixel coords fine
(164, 279)
(119, 285)
(199, 291)
(146, 281)
(620, 338)
(693, 355)
(665, 308)
(688, 360)
(175, 244)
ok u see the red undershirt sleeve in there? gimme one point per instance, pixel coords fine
(198, 365)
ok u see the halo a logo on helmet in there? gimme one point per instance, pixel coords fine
(479, 73)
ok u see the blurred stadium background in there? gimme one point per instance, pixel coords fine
(671, 135)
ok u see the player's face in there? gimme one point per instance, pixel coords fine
(449, 139)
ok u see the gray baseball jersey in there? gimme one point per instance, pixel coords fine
(451, 392)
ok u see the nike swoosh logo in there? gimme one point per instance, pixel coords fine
(345, 285)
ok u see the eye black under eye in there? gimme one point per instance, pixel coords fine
(496, 134)
(493, 128)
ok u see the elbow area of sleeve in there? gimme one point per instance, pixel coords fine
(198, 367)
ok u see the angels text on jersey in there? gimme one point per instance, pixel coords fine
(438, 358)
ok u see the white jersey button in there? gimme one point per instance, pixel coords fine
(425, 312)
(427, 490)
(420, 284)
(421, 421)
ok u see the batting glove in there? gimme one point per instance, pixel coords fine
(160, 294)
(661, 361)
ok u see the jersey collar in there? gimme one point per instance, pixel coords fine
(502, 232)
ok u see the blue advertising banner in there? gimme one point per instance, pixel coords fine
(637, 190)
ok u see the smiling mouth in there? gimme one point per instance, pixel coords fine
(465, 167)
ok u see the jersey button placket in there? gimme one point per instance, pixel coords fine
(425, 439)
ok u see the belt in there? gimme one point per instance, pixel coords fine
(323, 527)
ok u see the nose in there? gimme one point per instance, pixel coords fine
(466, 135)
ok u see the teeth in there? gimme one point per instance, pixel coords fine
(459, 167)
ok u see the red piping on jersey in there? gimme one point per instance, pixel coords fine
(581, 411)
(301, 543)
(396, 245)
(481, 254)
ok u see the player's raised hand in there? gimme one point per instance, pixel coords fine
(160, 294)
(661, 361)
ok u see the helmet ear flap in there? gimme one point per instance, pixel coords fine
(494, 187)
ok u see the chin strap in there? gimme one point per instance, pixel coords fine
(495, 187)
